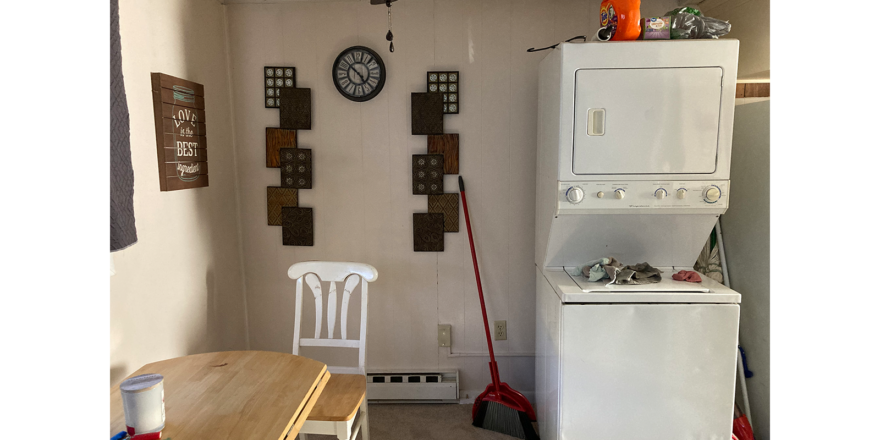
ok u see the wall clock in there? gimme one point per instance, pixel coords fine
(359, 73)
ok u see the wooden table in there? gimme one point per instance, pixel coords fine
(233, 395)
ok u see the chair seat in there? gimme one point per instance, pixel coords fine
(341, 398)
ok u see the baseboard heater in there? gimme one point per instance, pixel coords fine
(412, 386)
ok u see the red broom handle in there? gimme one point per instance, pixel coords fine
(493, 367)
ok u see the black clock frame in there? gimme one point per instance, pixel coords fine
(379, 87)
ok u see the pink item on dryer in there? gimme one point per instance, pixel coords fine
(687, 275)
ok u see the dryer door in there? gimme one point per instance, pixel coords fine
(646, 121)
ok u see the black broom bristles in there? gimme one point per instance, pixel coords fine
(501, 418)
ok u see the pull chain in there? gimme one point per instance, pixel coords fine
(389, 36)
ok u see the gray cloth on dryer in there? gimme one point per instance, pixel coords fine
(594, 271)
(642, 273)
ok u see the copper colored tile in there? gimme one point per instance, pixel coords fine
(277, 198)
(447, 145)
(428, 232)
(446, 204)
(276, 139)
(297, 227)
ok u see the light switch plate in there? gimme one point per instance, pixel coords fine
(444, 335)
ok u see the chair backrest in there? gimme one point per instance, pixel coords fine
(352, 274)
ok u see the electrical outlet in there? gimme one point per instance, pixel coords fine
(444, 335)
(500, 330)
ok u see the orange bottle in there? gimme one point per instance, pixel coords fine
(623, 16)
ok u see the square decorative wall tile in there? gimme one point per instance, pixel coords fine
(447, 85)
(427, 174)
(428, 232)
(276, 139)
(447, 145)
(277, 198)
(446, 204)
(297, 226)
(275, 79)
(296, 109)
(296, 168)
(427, 113)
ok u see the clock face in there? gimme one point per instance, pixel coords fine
(359, 73)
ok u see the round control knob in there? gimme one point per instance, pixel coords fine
(712, 194)
(681, 193)
(600, 194)
(660, 194)
(619, 193)
(574, 194)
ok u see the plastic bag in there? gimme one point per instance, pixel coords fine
(689, 23)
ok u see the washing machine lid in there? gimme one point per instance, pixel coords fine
(573, 288)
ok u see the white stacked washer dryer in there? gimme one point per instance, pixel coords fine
(633, 163)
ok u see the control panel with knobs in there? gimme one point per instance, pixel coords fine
(711, 194)
(574, 194)
(643, 196)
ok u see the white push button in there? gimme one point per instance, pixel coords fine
(600, 194)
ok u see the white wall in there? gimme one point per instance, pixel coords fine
(362, 196)
(750, 23)
(179, 290)
(746, 229)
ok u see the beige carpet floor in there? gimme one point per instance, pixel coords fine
(423, 422)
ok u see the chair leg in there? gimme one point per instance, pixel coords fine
(365, 425)
(343, 430)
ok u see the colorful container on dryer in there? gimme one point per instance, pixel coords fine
(622, 17)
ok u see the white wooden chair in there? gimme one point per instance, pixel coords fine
(343, 403)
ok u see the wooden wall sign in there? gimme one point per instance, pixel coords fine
(276, 139)
(447, 145)
(181, 146)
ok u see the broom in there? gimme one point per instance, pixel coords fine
(500, 408)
